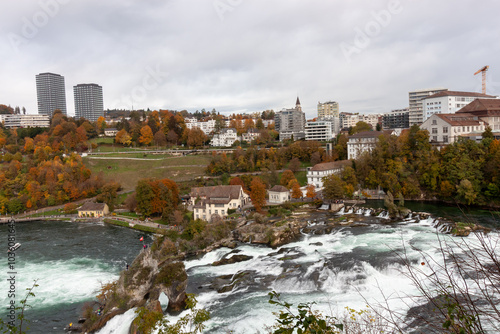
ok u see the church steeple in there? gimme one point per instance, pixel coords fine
(297, 104)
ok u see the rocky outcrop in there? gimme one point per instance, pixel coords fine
(155, 270)
(232, 259)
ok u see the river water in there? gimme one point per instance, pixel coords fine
(339, 269)
(69, 261)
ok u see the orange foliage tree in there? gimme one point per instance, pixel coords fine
(156, 197)
(286, 177)
(146, 135)
(258, 193)
(310, 191)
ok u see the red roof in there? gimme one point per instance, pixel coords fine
(331, 165)
(482, 107)
(463, 119)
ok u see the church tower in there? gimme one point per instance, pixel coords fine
(297, 105)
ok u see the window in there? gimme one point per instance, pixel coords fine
(216, 212)
(222, 212)
(445, 139)
(445, 129)
(434, 122)
(434, 130)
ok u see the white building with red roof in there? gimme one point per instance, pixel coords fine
(217, 200)
(316, 174)
(449, 102)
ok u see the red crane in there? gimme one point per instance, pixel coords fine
(483, 70)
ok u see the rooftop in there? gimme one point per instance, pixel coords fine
(92, 206)
(482, 107)
(279, 189)
(463, 119)
(331, 165)
(455, 93)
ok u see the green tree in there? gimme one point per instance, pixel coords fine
(333, 187)
(466, 192)
(360, 127)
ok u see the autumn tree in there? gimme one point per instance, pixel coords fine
(296, 192)
(160, 139)
(236, 181)
(146, 135)
(258, 193)
(123, 138)
(156, 197)
(294, 165)
(315, 158)
(286, 177)
(101, 125)
(195, 137)
(310, 191)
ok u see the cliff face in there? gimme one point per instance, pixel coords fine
(155, 270)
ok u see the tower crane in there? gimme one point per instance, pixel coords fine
(483, 71)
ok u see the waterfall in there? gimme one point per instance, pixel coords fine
(359, 211)
(368, 212)
(384, 215)
(341, 211)
(351, 210)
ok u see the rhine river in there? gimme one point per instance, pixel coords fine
(343, 268)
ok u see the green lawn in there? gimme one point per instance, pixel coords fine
(300, 176)
(127, 172)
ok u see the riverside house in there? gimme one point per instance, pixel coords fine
(210, 201)
(91, 209)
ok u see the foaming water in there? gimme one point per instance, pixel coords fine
(70, 261)
(347, 268)
(119, 324)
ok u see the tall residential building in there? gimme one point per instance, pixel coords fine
(51, 93)
(396, 119)
(416, 107)
(348, 120)
(291, 122)
(328, 109)
(449, 102)
(322, 129)
(88, 101)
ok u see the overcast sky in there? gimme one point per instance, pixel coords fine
(248, 55)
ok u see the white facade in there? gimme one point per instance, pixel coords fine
(316, 174)
(207, 127)
(415, 103)
(278, 195)
(225, 138)
(328, 109)
(348, 120)
(252, 134)
(449, 102)
(322, 130)
(110, 132)
(210, 201)
(447, 128)
(25, 121)
(361, 142)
